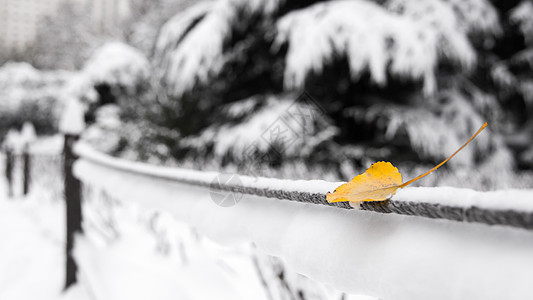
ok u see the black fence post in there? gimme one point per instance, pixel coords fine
(73, 205)
(26, 170)
(9, 171)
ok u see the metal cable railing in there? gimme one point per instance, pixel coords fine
(315, 192)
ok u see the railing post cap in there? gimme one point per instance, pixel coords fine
(73, 118)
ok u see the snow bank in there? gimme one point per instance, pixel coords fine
(360, 252)
(130, 268)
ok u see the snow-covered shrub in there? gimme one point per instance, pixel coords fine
(27, 94)
(113, 72)
(114, 88)
(118, 66)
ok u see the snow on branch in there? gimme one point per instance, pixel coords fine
(32, 94)
(372, 39)
(114, 64)
(199, 53)
(18, 73)
(474, 16)
(402, 38)
(406, 39)
(428, 134)
(277, 123)
(117, 64)
(190, 46)
(444, 24)
(521, 15)
(175, 29)
(437, 130)
(511, 75)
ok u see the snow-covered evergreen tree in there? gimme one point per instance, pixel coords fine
(510, 67)
(396, 79)
(141, 27)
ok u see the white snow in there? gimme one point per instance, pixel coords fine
(73, 117)
(23, 87)
(190, 55)
(520, 200)
(199, 53)
(13, 141)
(18, 72)
(80, 86)
(385, 255)
(177, 174)
(443, 21)
(404, 38)
(131, 267)
(117, 64)
(175, 29)
(32, 249)
(27, 133)
(320, 32)
(128, 267)
(128, 253)
(476, 16)
(280, 121)
(47, 145)
(513, 199)
(521, 15)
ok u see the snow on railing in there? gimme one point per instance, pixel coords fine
(510, 207)
(393, 256)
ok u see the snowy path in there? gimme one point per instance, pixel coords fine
(31, 252)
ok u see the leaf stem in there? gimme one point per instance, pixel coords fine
(447, 159)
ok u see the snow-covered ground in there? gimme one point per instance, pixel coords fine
(129, 253)
(32, 262)
(32, 250)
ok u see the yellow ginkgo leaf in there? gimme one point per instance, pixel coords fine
(380, 181)
(376, 184)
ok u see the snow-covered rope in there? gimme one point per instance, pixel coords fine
(511, 208)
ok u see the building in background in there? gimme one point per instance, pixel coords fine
(107, 14)
(19, 19)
